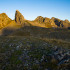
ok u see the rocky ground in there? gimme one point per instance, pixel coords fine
(30, 53)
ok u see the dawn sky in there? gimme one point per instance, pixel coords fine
(33, 8)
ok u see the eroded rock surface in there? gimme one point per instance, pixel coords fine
(19, 19)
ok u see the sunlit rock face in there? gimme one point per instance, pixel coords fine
(40, 19)
(53, 22)
(4, 20)
(19, 19)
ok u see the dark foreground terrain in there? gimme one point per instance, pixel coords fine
(35, 49)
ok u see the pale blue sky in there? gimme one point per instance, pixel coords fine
(33, 8)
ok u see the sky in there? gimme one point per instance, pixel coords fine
(30, 9)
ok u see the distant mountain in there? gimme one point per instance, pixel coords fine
(8, 26)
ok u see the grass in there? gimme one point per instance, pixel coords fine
(22, 50)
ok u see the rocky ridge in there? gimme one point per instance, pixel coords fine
(39, 21)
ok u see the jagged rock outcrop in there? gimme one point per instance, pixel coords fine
(56, 21)
(40, 19)
(53, 22)
(49, 23)
(19, 19)
(61, 23)
(4, 20)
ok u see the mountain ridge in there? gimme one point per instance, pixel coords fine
(20, 21)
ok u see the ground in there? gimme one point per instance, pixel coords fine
(40, 51)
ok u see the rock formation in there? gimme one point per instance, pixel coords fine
(4, 20)
(60, 23)
(39, 21)
(53, 22)
(19, 19)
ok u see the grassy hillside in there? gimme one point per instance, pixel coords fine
(33, 53)
(60, 37)
(35, 48)
(55, 33)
